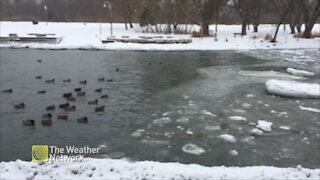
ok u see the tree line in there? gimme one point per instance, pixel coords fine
(173, 13)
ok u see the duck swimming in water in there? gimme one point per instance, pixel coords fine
(93, 102)
(7, 91)
(99, 109)
(28, 122)
(20, 106)
(51, 108)
(83, 120)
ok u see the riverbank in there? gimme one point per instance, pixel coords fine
(89, 36)
(123, 169)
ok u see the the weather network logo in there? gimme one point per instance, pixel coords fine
(40, 153)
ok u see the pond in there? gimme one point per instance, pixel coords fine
(159, 102)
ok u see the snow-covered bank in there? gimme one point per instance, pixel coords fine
(293, 88)
(121, 169)
(88, 36)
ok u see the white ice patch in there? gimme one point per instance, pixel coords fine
(138, 133)
(212, 128)
(239, 111)
(183, 120)
(233, 153)
(163, 120)
(268, 74)
(298, 72)
(309, 109)
(237, 118)
(227, 138)
(264, 125)
(293, 88)
(246, 105)
(256, 132)
(189, 132)
(208, 113)
(193, 149)
(287, 128)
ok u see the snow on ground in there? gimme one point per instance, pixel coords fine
(293, 88)
(264, 125)
(299, 72)
(87, 36)
(123, 169)
(309, 109)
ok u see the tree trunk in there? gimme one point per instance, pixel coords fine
(244, 28)
(292, 29)
(205, 29)
(275, 35)
(255, 28)
(298, 28)
(307, 31)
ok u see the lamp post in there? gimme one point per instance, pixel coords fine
(108, 4)
(46, 13)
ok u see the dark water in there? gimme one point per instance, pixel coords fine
(179, 86)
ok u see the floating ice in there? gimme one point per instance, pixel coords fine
(264, 125)
(189, 132)
(309, 109)
(270, 73)
(212, 128)
(163, 120)
(208, 113)
(293, 88)
(228, 138)
(183, 120)
(284, 128)
(237, 118)
(138, 133)
(233, 153)
(193, 149)
(256, 132)
(298, 72)
(246, 105)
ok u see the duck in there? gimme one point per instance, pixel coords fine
(70, 108)
(83, 82)
(66, 80)
(47, 116)
(81, 93)
(7, 91)
(104, 96)
(62, 117)
(38, 77)
(93, 102)
(110, 80)
(83, 120)
(42, 92)
(46, 122)
(117, 69)
(51, 108)
(99, 109)
(98, 90)
(71, 98)
(28, 122)
(66, 95)
(101, 79)
(50, 81)
(20, 106)
(78, 89)
(39, 60)
(62, 106)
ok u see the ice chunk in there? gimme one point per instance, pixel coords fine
(208, 113)
(163, 120)
(228, 138)
(264, 125)
(293, 88)
(270, 73)
(183, 120)
(237, 118)
(298, 72)
(138, 133)
(284, 128)
(233, 153)
(309, 109)
(246, 105)
(193, 149)
(256, 132)
(212, 128)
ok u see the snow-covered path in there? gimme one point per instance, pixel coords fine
(87, 36)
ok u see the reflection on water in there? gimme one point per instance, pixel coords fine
(164, 106)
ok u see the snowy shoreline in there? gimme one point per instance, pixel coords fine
(79, 36)
(122, 169)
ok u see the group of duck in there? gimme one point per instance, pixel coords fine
(46, 119)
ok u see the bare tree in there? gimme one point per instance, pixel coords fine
(311, 12)
(282, 6)
(244, 10)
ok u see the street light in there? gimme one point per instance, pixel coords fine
(108, 4)
(46, 13)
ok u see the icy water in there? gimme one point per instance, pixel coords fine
(159, 102)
